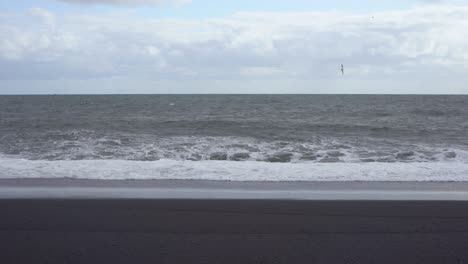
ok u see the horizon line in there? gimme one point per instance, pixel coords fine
(65, 94)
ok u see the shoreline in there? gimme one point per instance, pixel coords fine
(200, 183)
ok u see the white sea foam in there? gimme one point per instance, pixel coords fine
(233, 171)
(86, 145)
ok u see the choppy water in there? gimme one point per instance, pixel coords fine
(239, 128)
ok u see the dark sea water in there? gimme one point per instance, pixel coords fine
(235, 137)
(270, 128)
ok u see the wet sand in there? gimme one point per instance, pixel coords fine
(199, 189)
(226, 185)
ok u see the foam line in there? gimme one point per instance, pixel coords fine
(233, 171)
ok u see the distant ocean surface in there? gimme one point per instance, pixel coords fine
(235, 137)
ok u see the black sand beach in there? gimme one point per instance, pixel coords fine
(232, 231)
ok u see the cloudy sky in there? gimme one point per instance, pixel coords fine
(244, 46)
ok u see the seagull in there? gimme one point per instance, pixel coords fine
(342, 69)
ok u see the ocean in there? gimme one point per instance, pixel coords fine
(235, 137)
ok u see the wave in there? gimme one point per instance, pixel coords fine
(232, 171)
(437, 112)
(88, 145)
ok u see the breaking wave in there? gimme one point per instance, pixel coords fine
(88, 145)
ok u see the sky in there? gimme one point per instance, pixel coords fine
(255, 46)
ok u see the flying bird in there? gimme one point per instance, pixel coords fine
(342, 69)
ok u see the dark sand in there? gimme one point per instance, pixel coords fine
(232, 231)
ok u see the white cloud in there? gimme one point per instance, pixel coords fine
(421, 43)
